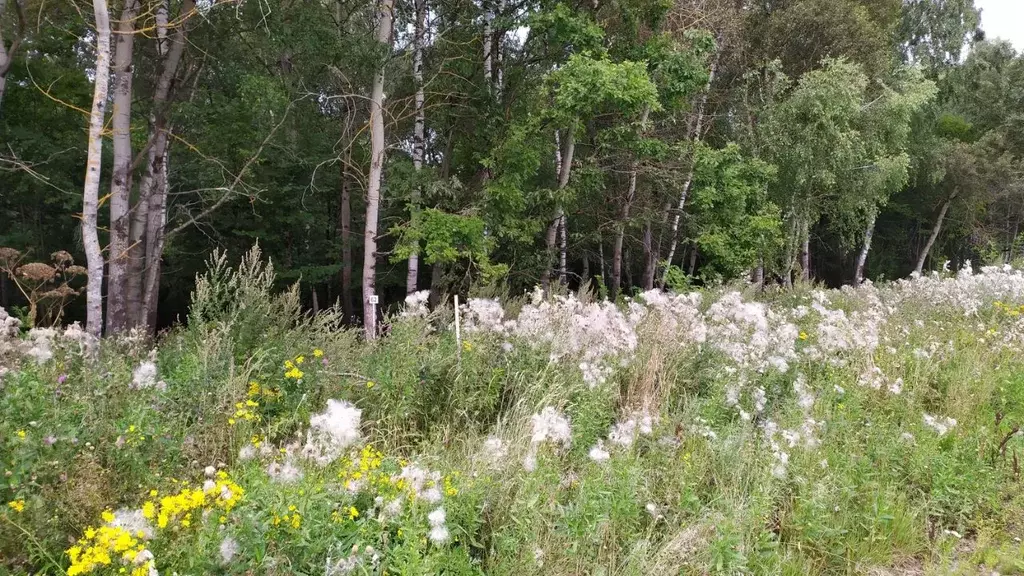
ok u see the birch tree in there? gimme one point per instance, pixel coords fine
(418, 143)
(121, 178)
(9, 51)
(384, 23)
(90, 196)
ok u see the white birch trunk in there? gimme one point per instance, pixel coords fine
(121, 177)
(862, 258)
(805, 251)
(90, 195)
(935, 233)
(412, 276)
(696, 135)
(620, 228)
(7, 53)
(488, 51)
(384, 16)
(564, 171)
(145, 246)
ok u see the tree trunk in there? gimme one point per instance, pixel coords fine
(499, 71)
(7, 53)
(412, 276)
(345, 216)
(90, 195)
(935, 233)
(121, 177)
(585, 276)
(805, 251)
(565, 167)
(146, 246)
(862, 258)
(757, 278)
(620, 226)
(436, 278)
(384, 15)
(693, 260)
(488, 34)
(563, 232)
(649, 261)
(695, 135)
(791, 242)
(155, 227)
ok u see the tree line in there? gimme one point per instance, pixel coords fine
(617, 144)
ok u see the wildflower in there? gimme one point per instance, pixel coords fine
(437, 517)
(939, 424)
(439, 535)
(17, 505)
(62, 378)
(803, 335)
(467, 346)
(598, 453)
(300, 359)
(228, 549)
(333, 430)
(285, 473)
(318, 353)
(21, 434)
(369, 384)
(145, 376)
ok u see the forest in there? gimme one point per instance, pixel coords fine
(374, 149)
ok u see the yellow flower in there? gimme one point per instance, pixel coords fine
(107, 516)
(467, 346)
(803, 335)
(17, 505)
(370, 384)
(231, 421)
(288, 364)
(21, 434)
(254, 388)
(148, 508)
(318, 353)
(300, 359)
(296, 520)
(352, 512)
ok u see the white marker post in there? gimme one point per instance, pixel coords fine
(374, 299)
(458, 331)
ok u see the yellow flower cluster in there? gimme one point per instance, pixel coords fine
(291, 518)
(99, 547)
(1009, 309)
(223, 494)
(339, 516)
(133, 435)
(366, 467)
(449, 485)
(245, 411)
(256, 390)
(17, 505)
(803, 335)
(292, 370)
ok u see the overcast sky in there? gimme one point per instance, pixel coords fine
(1003, 19)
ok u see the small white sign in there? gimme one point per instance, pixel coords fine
(374, 299)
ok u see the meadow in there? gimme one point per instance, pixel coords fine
(874, 430)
